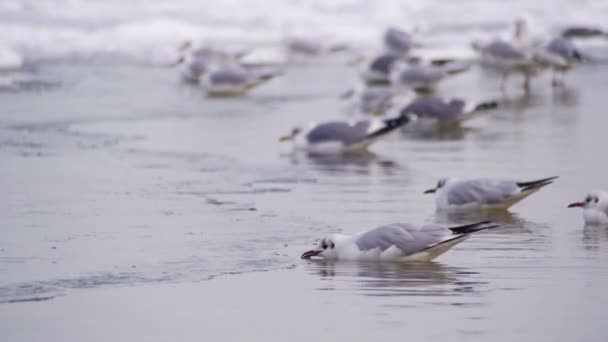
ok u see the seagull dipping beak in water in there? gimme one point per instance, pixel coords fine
(397, 242)
(483, 193)
(595, 208)
(342, 136)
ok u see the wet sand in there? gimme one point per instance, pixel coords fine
(136, 209)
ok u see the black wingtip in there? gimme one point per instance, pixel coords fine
(472, 228)
(487, 105)
(536, 184)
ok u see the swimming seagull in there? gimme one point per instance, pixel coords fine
(446, 112)
(397, 242)
(234, 80)
(341, 136)
(595, 207)
(484, 193)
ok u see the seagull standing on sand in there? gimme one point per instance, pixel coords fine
(509, 59)
(398, 242)
(560, 54)
(445, 112)
(595, 208)
(483, 193)
(341, 136)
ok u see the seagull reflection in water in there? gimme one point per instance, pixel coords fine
(397, 279)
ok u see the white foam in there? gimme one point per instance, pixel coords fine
(152, 29)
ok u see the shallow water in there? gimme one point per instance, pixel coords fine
(134, 198)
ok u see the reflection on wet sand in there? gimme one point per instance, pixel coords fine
(396, 279)
(510, 223)
(363, 162)
(594, 237)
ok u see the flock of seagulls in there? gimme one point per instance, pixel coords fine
(397, 90)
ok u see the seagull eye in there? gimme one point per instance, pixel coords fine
(596, 200)
(588, 199)
(324, 245)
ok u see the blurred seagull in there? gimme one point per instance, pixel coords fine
(424, 76)
(484, 193)
(397, 42)
(595, 207)
(234, 80)
(378, 70)
(560, 54)
(446, 112)
(377, 100)
(509, 59)
(397, 242)
(341, 136)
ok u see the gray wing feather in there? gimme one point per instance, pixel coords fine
(339, 131)
(229, 77)
(563, 47)
(383, 63)
(436, 108)
(504, 50)
(485, 191)
(418, 74)
(408, 238)
(397, 40)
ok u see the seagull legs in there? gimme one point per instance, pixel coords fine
(527, 83)
(503, 82)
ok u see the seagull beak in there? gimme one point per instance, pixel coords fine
(285, 138)
(430, 191)
(310, 254)
(576, 205)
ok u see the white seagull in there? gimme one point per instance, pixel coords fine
(484, 193)
(342, 136)
(397, 242)
(595, 207)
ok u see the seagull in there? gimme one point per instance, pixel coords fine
(234, 80)
(378, 70)
(484, 193)
(423, 77)
(446, 112)
(397, 42)
(560, 54)
(197, 61)
(377, 100)
(342, 136)
(595, 207)
(397, 242)
(583, 32)
(509, 59)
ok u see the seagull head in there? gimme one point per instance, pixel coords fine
(440, 184)
(326, 248)
(595, 199)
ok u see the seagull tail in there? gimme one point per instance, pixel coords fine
(536, 184)
(472, 228)
(487, 105)
(391, 125)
